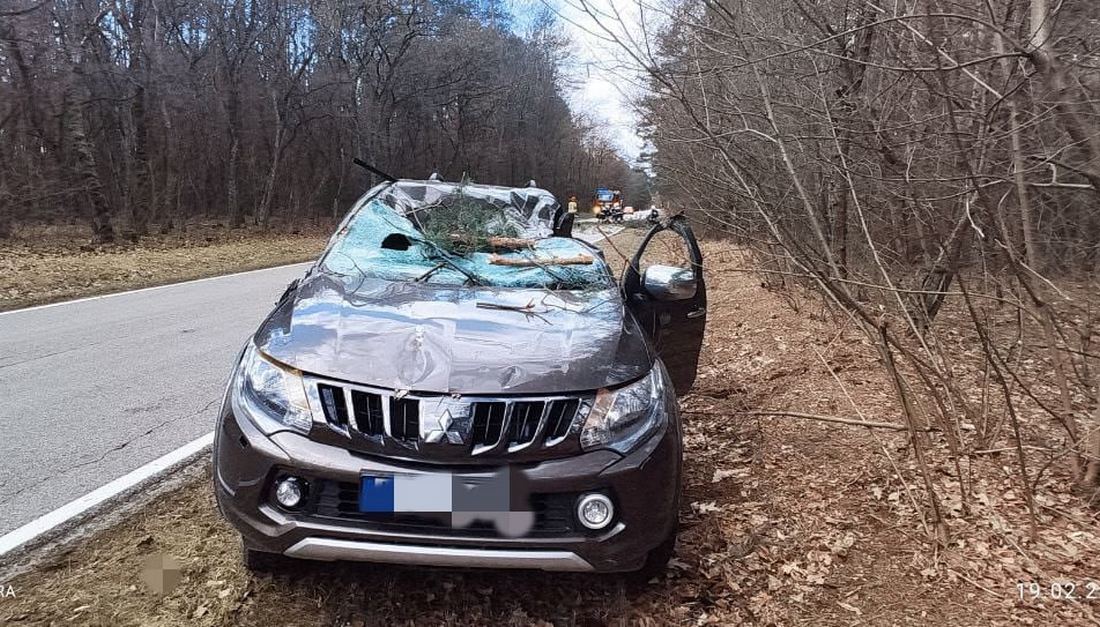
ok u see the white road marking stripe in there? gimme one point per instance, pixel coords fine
(148, 289)
(63, 514)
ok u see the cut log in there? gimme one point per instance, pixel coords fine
(575, 260)
(505, 243)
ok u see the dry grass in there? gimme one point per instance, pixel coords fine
(44, 265)
(785, 522)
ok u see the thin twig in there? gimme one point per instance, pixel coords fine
(835, 419)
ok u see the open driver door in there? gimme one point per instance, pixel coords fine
(670, 300)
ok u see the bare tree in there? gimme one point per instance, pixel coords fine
(928, 167)
(247, 111)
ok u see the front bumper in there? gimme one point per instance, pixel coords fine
(644, 486)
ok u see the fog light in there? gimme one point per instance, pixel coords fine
(595, 510)
(289, 492)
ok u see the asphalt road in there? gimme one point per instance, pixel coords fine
(92, 389)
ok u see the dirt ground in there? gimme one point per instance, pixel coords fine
(785, 521)
(48, 264)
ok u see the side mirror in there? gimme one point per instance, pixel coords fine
(564, 227)
(669, 282)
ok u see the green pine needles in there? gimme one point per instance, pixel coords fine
(461, 223)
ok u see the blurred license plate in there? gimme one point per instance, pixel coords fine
(434, 492)
(405, 493)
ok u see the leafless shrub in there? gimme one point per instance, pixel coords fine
(931, 169)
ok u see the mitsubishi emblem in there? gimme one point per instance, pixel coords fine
(444, 422)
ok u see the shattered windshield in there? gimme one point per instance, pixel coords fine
(462, 234)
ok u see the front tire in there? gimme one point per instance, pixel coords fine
(260, 562)
(656, 562)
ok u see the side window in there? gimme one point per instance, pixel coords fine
(667, 248)
(667, 265)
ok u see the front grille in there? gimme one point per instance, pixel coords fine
(368, 412)
(364, 414)
(560, 417)
(340, 501)
(335, 404)
(525, 422)
(405, 419)
(488, 423)
(515, 428)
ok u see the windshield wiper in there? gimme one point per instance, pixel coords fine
(424, 277)
(446, 260)
(473, 278)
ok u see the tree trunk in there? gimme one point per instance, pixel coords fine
(233, 110)
(26, 84)
(140, 198)
(236, 217)
(263, 211)
(85, 167)
(7, 209)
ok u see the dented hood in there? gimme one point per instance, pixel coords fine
(481, 340)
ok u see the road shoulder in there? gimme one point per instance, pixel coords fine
(32, 275)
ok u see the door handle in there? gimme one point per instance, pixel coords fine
(697, 313)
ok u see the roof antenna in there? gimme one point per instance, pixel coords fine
(370, 168)
(532, 183)
(434, 177)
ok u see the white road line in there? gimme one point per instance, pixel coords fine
(63, 514)
(148, 289)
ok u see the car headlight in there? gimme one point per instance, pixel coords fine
(272, 395)
(622, 418)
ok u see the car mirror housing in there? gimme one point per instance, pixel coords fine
(669, 282)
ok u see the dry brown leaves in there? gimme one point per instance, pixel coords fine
(48, 265)
(785, 521)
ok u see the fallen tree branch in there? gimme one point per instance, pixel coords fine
(576, 260)
(527, 310)
(991, 451)
(503, 243)
(836, 419)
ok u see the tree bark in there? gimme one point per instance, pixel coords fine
(140, 201)
(85, 168)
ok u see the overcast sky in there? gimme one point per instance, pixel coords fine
(598, 84)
